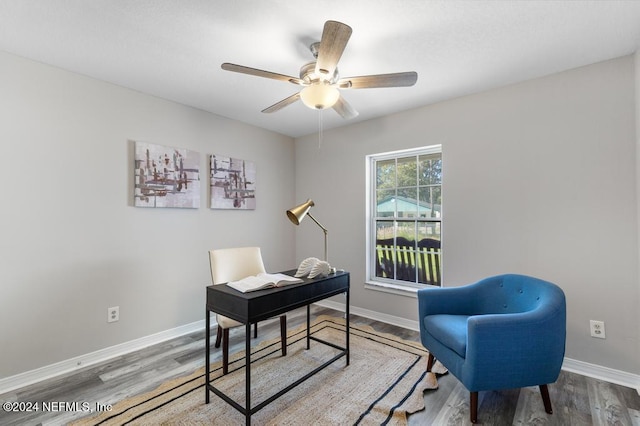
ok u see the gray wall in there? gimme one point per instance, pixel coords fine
(72, 245)
(539, 179)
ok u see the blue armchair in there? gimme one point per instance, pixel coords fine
(502, 332)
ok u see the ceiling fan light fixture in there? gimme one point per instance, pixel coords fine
(319, 96)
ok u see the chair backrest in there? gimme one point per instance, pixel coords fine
(512, 293)
(233, 264)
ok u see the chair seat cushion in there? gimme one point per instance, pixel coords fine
(450, 330)
(226, 322)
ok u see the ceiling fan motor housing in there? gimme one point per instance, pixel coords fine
(309, 76)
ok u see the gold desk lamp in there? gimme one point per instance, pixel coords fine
(296, 214)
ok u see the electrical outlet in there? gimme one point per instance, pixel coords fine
(597, 329)
(113, 314)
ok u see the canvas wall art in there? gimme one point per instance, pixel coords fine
(233, 183)
(166, 176)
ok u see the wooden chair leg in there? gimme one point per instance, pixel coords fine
(255, 330)
(430, 360)
(283, 334)
(473, 407)
(544, 391)
(225, 351)
(218, 337)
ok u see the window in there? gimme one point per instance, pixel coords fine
(405, 218)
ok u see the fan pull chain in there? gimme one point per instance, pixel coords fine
(320, 135)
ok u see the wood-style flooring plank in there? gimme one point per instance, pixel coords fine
(635, 417)
(499, 407)
(606, 405)
(455, 410)
(570, 400)
(434, 398)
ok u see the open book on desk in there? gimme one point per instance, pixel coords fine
(262, 281)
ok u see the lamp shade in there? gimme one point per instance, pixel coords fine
(296, 214)
(319, 96)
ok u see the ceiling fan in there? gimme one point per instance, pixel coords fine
(320, 78)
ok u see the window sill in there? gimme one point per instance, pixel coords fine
(391, 288)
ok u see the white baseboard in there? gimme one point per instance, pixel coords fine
(599, 372)
(67, 366)
(30, 377)
(378, 316)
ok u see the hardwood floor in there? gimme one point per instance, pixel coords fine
(577, 400)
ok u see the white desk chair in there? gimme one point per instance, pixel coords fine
(230, 265)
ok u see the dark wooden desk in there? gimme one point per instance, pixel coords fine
(255, 306)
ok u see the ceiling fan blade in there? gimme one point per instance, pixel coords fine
(335, 36)
(343, 108)
(260, 73)
(283, 103)
(400, 79)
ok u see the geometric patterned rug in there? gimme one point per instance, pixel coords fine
(384, 382)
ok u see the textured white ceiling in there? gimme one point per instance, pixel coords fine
(173, 48)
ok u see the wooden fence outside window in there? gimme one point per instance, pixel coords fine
(402, 259)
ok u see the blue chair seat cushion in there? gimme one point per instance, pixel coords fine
(450, 330)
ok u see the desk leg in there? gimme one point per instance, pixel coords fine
(247, 361)
(347, 321)
(308, 326)
(207, 342)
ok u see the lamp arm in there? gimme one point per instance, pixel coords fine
(326, 232)
(318, 223)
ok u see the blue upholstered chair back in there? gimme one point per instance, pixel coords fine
(510, 294)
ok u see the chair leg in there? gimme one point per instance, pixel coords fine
(218, 337)
(473, 407)
(255, 330)
(430, 360)
(544, 391)
(225, 351)
(283, 334)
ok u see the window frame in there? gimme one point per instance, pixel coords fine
(401, 287)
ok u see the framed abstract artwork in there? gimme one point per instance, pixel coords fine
(233, 183)
(166, 176)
